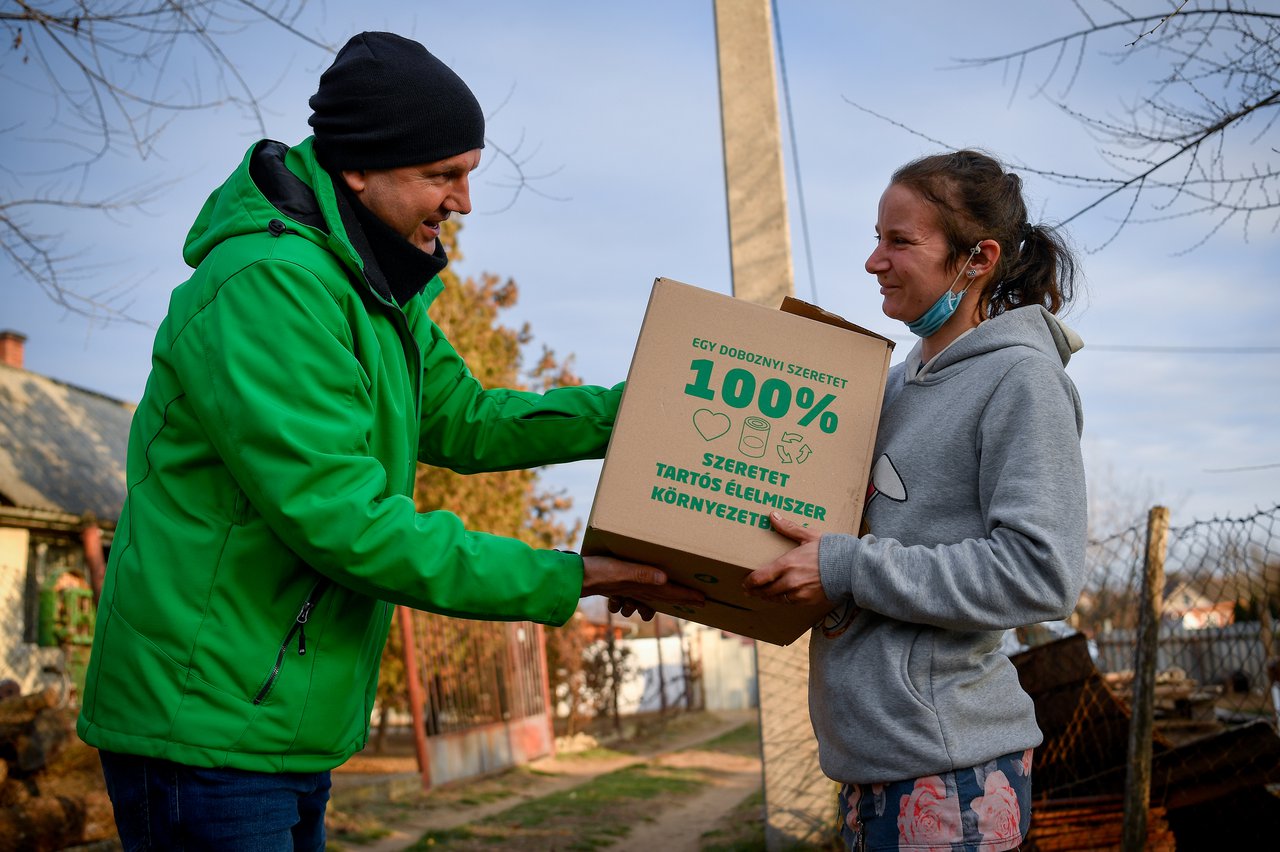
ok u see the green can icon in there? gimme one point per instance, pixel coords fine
(755, 437)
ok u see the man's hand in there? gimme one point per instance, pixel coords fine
(793, 577)
(624, 581)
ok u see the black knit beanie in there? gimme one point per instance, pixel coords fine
(386, 102)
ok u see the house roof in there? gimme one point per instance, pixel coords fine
(61, 447)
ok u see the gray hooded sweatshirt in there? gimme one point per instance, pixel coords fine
(976, 512)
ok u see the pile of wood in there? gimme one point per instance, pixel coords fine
(1095, 823)
(1183, 708)
(51, 790)
(1213, 791)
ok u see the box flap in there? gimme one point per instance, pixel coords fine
(801, 308)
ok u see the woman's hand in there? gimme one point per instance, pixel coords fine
(793, 577)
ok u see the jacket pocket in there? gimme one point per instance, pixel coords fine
(298, 629)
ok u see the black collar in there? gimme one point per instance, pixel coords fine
(396, 268)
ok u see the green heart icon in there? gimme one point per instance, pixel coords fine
(709, 424)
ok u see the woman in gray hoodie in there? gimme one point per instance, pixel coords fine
(974, 523)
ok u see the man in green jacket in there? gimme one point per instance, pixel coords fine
(270, 526)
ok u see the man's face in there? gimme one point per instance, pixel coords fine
(414, 200)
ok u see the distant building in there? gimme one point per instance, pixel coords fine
(676, 663)
(62, 485)
(1187, 605)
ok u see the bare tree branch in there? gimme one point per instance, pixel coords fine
(36, 256)
(1143, 35)
(1193, 144)
(521, 178)
(1137, 180)
(113, 74)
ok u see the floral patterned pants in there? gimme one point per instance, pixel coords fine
(985, 808)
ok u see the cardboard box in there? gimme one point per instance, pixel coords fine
(733, 410)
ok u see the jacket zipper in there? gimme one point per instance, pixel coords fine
(298, 628)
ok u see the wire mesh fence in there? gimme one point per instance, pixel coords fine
(1215, 754)
(800, 802)
(478, 672)
(1215, 758)
(1217, 632)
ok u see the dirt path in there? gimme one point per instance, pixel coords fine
(734, 777)
(680, 828)
(563, 775)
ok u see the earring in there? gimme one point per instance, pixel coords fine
(972, 273)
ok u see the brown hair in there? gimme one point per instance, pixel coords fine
(976, 199)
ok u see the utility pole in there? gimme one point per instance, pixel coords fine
(755, 183)
(799, 800)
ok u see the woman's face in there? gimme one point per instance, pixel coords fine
(910, 258)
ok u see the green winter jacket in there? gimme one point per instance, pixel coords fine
(270, 525)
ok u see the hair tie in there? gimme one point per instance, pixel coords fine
(1025, 231)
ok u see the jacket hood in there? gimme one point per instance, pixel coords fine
(273, 182)
(1032, 327)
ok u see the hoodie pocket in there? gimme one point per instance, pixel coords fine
(299, 629)
(917, 668)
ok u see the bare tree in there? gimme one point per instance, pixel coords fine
(1198, 141)
(106, 78)
(1201, 140)
(110, 76)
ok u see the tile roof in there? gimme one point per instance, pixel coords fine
(61, 447)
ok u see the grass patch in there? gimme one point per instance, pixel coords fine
(355, 821)
(591, 816)
(359, 827)
(443, 838)
(743, 740)
(742, 829)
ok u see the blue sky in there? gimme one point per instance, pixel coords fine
(616, 106)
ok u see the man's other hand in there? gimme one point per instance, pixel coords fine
(623, 582)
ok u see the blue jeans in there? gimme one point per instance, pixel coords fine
(161, 805)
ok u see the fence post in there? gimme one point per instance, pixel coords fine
(662, 681)
(544, 672)
(613, 671)
(1142, 722)
(416, 696)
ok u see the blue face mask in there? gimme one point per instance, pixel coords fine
(937, 315)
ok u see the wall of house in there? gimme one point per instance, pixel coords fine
(728, 669)
(20, 660)
(642, 691)
(726, 662)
